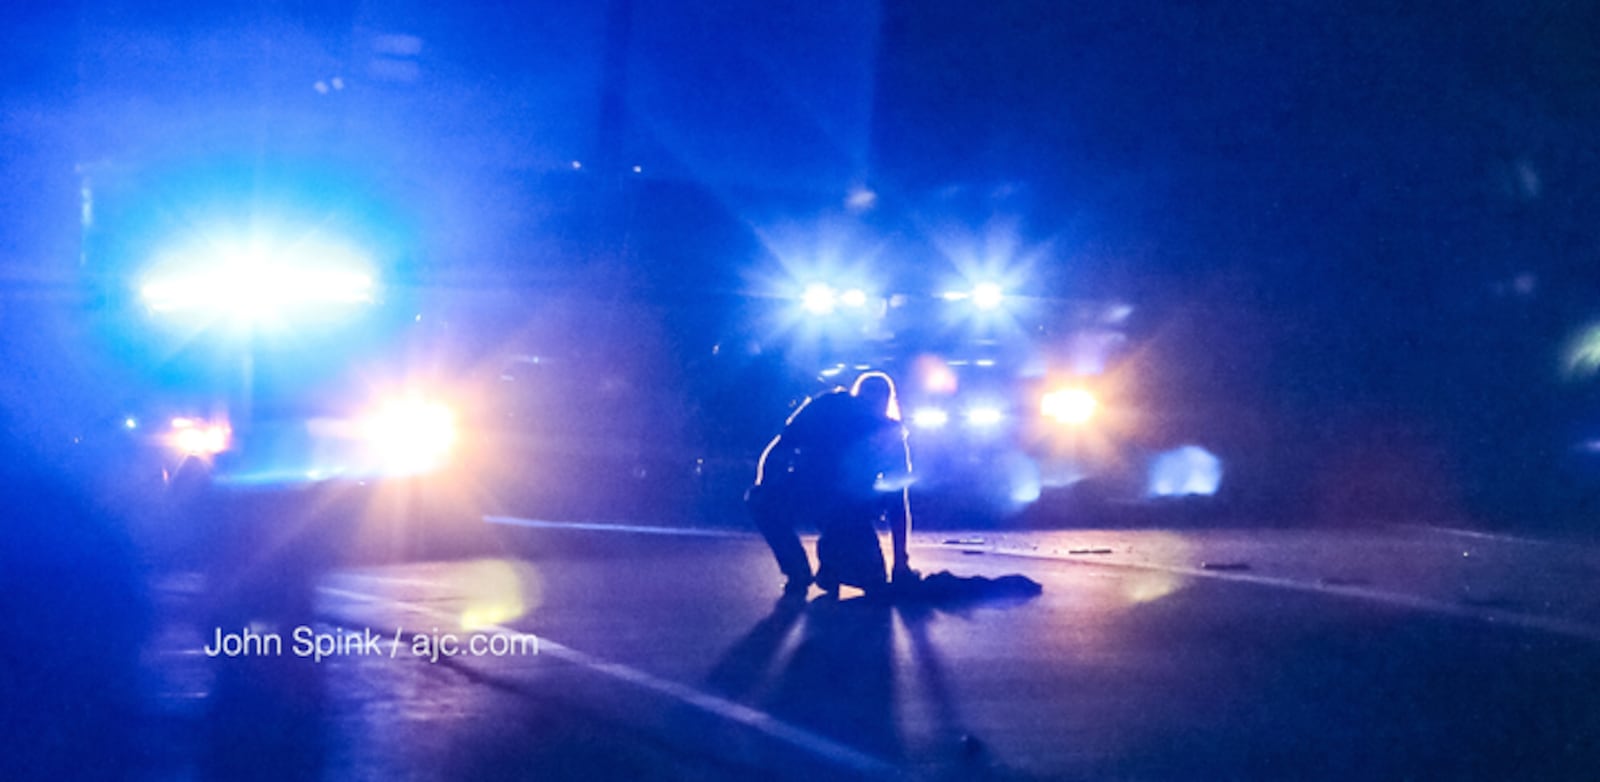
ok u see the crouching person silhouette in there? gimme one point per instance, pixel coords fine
(842, 463)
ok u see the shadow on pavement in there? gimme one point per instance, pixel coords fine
(836, 667)
(76, 615)
(268, 712)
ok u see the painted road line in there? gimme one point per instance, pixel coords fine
(759, 721)
(701, 532)
(1495, 537)
(1493, 616)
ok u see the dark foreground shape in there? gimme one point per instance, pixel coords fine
(945, 587)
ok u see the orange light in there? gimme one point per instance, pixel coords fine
(1069, 406)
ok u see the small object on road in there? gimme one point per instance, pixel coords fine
(964, 541)
(1225, 566)
(946, 587)
(1089, 551)
(971, 745)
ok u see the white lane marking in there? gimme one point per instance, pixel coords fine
(588, 526)
(1494, 616)
(1498, 537)
(762, 722)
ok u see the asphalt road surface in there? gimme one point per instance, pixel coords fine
(1389, 653)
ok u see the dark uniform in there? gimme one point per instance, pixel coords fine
(842, 463)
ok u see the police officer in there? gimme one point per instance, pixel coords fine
(842, 462)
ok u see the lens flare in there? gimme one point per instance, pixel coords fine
(1070, 406)
(259, 279)
(818, 299)
(410, 435)
(988, 296)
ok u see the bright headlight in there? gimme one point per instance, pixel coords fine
(1071, 406)
(192, 437)
(410, 435)
(988, 296)
(854, 298)
(984, 417)
(929, 418)
(819, 299)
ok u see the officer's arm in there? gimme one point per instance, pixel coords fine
(900, 514)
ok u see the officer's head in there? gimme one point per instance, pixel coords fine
(877, 390)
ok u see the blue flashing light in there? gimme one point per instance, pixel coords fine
(819, 299)
(988, 296)
(259, 281)
(1185, 472)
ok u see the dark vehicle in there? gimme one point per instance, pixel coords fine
(267, 339)
(1025, 407)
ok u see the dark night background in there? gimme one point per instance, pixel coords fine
(1368, 227)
